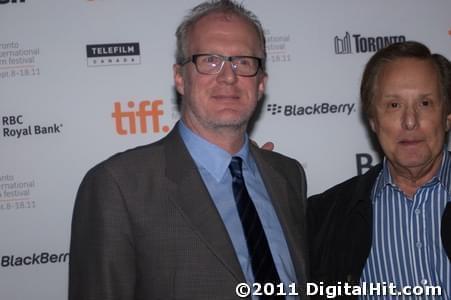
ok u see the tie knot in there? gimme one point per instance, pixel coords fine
(236, 167)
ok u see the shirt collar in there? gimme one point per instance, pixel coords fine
(443, 175)
(384, 179)
(211, 157)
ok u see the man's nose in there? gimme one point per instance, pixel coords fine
(227, 74)
(410, 118)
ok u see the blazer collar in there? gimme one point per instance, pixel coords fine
(446, 230)
(292, 224)
(360, 200)
(190, 195)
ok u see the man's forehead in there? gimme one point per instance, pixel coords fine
(221, 16)
(223, 24)
(401, 63)
(421, 71)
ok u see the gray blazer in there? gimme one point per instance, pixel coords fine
(144, 226)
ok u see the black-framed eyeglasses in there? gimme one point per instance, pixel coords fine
(212, 64)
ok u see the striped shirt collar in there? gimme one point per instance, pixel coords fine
(443, 176)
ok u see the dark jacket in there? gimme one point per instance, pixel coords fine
(145, 226)
(340, 229)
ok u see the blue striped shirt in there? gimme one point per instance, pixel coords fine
(407, 248)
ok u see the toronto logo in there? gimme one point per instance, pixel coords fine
(357, 43)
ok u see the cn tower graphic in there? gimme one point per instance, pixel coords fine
(343, 46)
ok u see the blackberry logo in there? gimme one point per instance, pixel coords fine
(313, 109)
(274, 108)
(33, 259)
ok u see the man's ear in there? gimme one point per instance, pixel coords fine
(179, 81)
(372, 124)
(448, 122)
(262, 79)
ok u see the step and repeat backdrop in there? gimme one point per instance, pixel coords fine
(81, 80)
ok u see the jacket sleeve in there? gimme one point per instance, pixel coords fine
(102, 264)
(313, 226)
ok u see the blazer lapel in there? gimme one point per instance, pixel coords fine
(189, 193)
(293, 228)
(359, 225)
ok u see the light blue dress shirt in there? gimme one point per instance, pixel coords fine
(213, 165)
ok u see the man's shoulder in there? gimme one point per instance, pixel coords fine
(139, 153)
(272, 155)
(277, 160)
(133, 159)
(360, 185)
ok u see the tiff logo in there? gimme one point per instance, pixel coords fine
(343, 46)
(127, 121)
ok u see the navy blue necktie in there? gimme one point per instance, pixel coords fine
(262, 262)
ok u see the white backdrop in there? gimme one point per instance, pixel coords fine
(62, 111)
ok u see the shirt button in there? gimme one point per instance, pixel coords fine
(424, 281)
(419, 244)
(417, 211)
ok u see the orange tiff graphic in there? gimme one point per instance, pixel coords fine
(127, 120)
